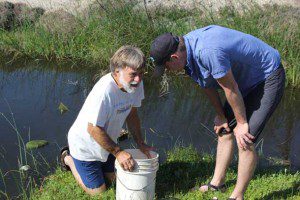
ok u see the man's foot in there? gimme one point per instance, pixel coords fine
(63, 153)
(209, 186)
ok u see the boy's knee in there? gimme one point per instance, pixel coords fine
(226, 137)
(249, 149)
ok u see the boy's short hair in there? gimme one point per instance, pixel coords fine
(127, 56)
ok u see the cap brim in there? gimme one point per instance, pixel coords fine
(158, 71)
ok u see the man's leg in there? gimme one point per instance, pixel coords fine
(246, 167)
(108, 168)
(110, 177)
(224, 156)
(69, 161)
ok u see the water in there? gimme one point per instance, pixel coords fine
(182, 117)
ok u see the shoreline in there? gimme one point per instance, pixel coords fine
(92, 38)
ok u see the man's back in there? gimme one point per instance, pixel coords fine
(216, 49)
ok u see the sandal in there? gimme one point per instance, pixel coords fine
(63, 153)
(211, 187)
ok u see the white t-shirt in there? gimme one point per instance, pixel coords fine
(108, 107)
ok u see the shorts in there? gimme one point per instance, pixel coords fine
(92, 172)
(260, 103)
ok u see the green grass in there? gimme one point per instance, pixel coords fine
(97, 37)
(62, 185)
(183, 169)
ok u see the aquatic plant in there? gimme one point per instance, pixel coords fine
(34, 144)
(62, 108)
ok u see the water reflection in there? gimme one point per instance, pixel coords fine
(187, 114)
(184, 116)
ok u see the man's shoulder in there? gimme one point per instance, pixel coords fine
(105, 83)
(104, 86)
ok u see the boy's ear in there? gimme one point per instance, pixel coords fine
(174, 56)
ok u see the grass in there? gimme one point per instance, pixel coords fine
(98, 36)
(183, 169)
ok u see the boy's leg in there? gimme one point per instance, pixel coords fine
(223, 159)
(96, 187)
(246, 167)
(224, 155)
(260, 103)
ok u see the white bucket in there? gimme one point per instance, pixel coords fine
(140, 183)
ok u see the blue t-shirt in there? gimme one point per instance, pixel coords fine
(213, 50)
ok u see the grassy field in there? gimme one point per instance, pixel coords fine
(183, 169)
(98, 36)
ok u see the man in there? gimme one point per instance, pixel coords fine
(93, 136)
(252, 77)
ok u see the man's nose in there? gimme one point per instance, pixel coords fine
(138, 78)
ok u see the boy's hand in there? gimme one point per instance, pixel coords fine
(220, 123)
(145, 149)
(242, 135)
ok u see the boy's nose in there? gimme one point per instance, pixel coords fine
(138, 78)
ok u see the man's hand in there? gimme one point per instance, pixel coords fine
(220, 123)
(242, 135)
(125, 160)
(145, 149)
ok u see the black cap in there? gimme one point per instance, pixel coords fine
(161, 50)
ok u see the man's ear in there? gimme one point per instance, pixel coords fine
(117, 70)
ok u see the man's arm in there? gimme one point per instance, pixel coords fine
(101, 137)
(236, 102)
(134, 126)
(220, 119)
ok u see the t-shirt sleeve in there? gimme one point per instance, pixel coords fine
(139, 96)
(216, 61)
(98, 111)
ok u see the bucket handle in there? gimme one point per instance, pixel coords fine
(136, 190)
